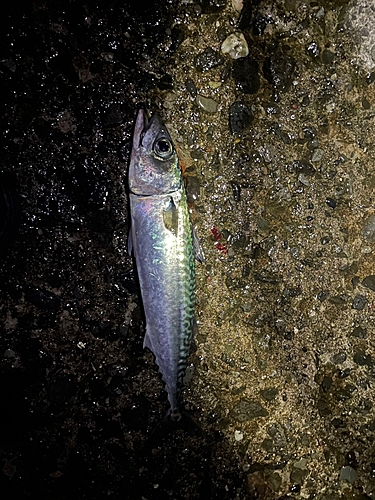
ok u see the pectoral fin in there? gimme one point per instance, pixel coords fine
(197, 247)
(170, 217)
(147, 342)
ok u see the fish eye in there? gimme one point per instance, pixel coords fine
(163, 148)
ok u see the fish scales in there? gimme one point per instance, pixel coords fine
(166, 274)
(162, 243)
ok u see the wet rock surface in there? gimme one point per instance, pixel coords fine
(278, 69)
(245, 74)
(208, 59)
(281, 193)
(240, 117)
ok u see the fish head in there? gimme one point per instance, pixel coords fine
(154, 167)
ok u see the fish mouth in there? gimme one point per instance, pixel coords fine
(153, 167)
(146, 129)
(143, 124)
(140, 127)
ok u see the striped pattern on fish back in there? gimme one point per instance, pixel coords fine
(188, 284)
(165, 264)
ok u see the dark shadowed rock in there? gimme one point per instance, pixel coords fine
(362, 359)
(303, 167)
(245, 15)
(368, 228)
(208, 59)
(369, 282)
(240, 117)
(247, 409)
(210, 6)
(279, 69)
(260, 23)
(359, 302)
(245, 74)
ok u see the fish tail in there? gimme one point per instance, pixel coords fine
(174, 414)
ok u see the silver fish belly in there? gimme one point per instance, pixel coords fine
(162, 243)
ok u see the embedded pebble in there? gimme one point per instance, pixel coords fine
(369, 282)
(320, 13)
(192, 188)
(275, 481)
(247, 409)
(304, 167)
(327, 56)
(245, 74)
(309, 133)
(339, 358)
(301, 464)
(323, 295)
(245, 16)
(212, 6)
(286, 137)
(235, 46)
(165, 82)
(317, 155)
(238, 435)
(208, 59)
(359, 302)
(169, 100)
(231, 254)
(326, 383)
(348, 474)
(191, 88)
(359, 332)
(206, 104)
(237, 5)
(278, 69)
(303, 180)
(346, 392)
(260, 24)
(298, 475)
(312, 50)
(240, 117)
(269, 394)
(366, 104)
(362, 359)
(331, 202)
(368, 228)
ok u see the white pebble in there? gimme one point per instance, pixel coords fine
(238, 435)
(206, 104)
(235, 46)
(237, 5)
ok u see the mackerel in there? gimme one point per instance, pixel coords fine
(161, 240)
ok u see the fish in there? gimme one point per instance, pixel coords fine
(163, 242)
